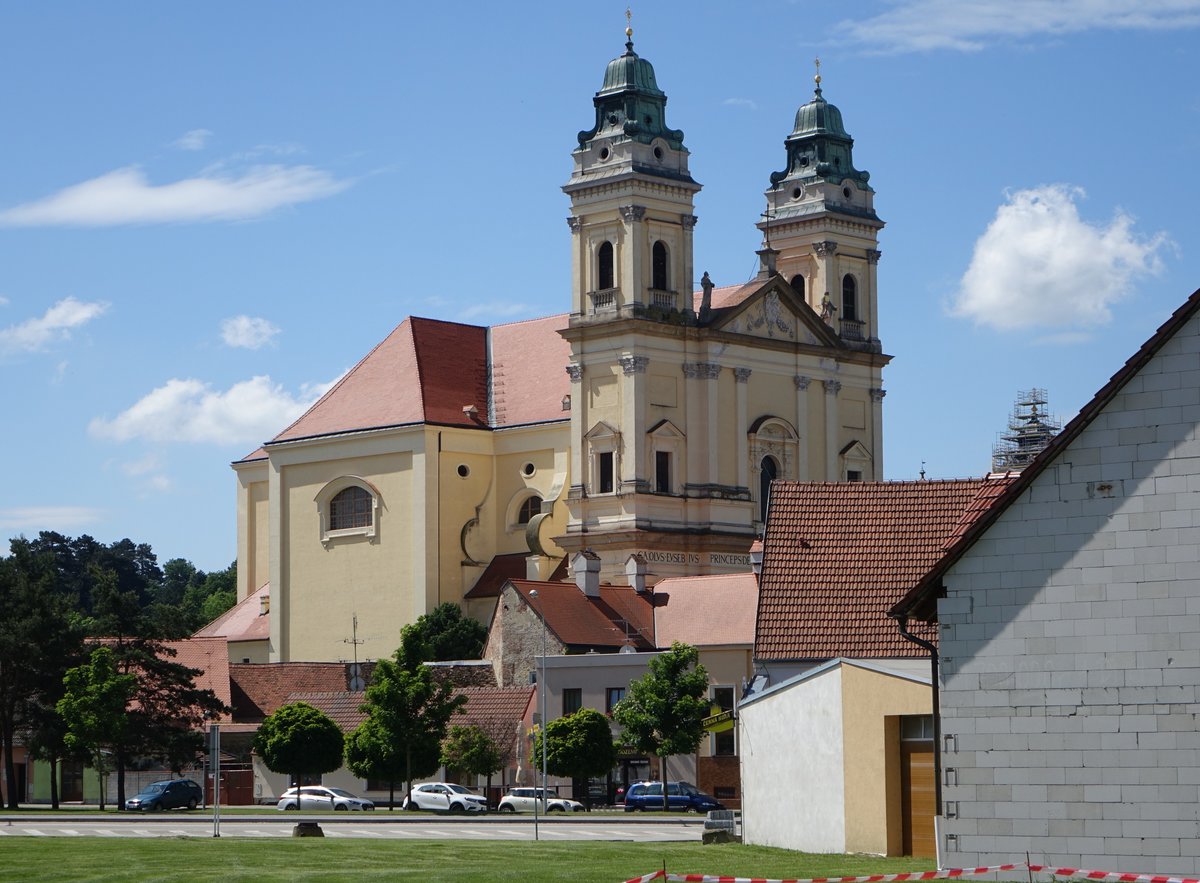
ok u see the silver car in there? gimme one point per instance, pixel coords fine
(523, 800)
(320, 797)
(445, 797)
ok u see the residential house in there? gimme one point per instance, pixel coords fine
(1069, 618)
(842, 707)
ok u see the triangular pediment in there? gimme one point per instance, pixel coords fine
(775, 312)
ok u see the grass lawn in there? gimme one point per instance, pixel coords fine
(32, 859)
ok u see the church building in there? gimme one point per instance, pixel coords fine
(650, 419)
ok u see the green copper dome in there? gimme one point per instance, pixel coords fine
(629, 71)
(819, 117)
(820, 147)
(630, 105)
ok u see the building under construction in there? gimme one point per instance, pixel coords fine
(1030, 429)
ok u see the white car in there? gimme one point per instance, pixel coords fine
(523, 800)
(320, 797)
(445, 797)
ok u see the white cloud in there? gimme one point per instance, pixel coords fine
(149, 472)
(1039, 264)
(124, 196)
(191, 411)
(3, 301)
(923, 25)
(196, 139)
(246, 332)
(57, 323)
(31, 519)
(740, 102)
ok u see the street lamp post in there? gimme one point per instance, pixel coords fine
(533, 593)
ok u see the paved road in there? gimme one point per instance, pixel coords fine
(374, 826)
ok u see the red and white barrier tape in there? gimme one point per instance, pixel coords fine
(873, 878)
(1082, 874)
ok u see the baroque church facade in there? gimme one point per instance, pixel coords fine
(649, 420)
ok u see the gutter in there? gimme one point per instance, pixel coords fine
(902, 623)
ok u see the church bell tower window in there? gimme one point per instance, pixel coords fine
(658, 274)
(849, 298)
(604, 266)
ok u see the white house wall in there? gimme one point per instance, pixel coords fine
(1071, 648)
(793, 798)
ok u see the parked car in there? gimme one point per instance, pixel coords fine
(680, 796)
(320, 797)
(445, 797)
(523, 800)
(170, 794)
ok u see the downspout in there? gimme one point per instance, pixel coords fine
(902, 622)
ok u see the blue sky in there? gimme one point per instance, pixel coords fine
(209, 212)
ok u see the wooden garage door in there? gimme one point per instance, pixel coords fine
(917, 794)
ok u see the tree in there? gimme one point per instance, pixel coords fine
(299, 739)
(39, 640)
(470, 749)
(93, 708)
(447, 634)
(411, 709)
(371, 755)
(578, 746)
(663, 711)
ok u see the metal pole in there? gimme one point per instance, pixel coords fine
(545, 731)
(533, 593)
(215, 769)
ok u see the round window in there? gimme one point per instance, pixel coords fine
(603, 153)
(797, 193)
(463, 470)
(658, 154)
(846, 192)
(528, 470)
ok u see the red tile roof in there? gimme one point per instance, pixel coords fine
(258, 689)
(838, 555)
(921, 600)
(529, 371)
(244, 621)
(211, 657)
(618, 615)
(707, 611)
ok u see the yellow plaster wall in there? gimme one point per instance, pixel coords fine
(329, 583)
(869, 698)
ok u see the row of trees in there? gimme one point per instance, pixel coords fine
(82, 625)
(407, 732)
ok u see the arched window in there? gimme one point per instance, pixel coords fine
(604, 266)
(769, 471)
(531, 507)
(849, 298)
(798, 284)
(658, 262)
(350, 508)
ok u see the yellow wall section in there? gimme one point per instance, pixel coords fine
(868, 699)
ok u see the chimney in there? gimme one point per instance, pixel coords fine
(264, 605)
(756, 557)
(766, 260)
(587, 572)
(635, 572)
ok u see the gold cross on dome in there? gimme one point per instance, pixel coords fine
(817, 78)
(628, 21)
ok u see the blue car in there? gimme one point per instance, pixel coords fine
(171, 794)
(681, 796)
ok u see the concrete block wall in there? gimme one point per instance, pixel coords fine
(1070, 643)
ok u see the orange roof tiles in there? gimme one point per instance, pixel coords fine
(838, 555)
(258, 689)
(708, 611)
(211, 658)
(529, 371)
(244, 621)
(620, 614)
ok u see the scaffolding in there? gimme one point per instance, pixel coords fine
(1030, 429)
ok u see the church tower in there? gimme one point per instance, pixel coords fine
(684, 406)
(821, 223)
